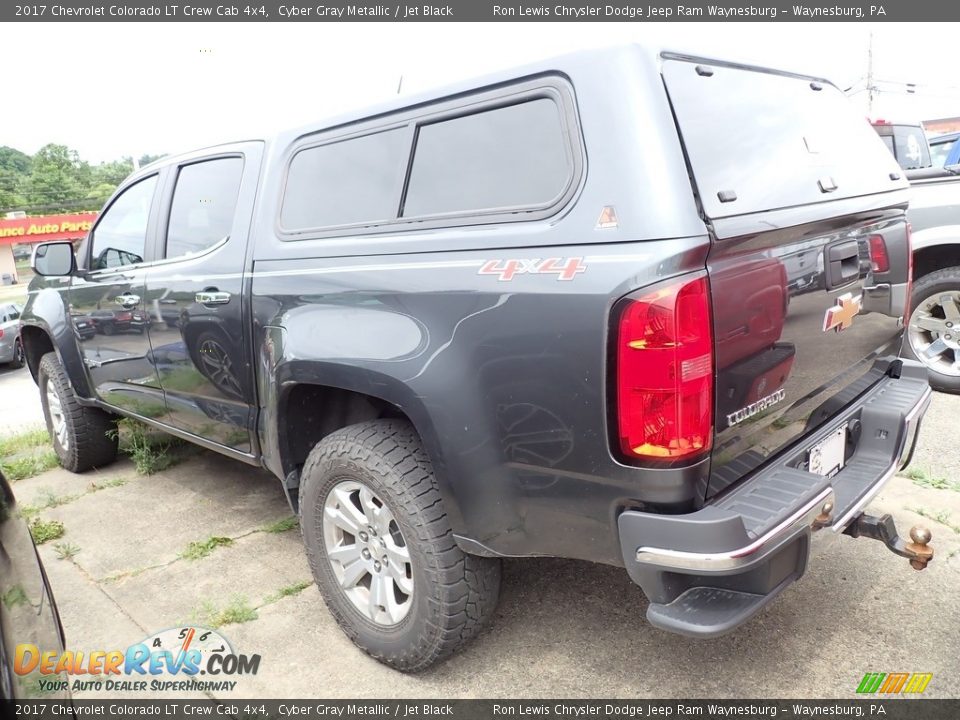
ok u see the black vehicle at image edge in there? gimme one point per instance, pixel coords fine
(28, 612)
(543, 313)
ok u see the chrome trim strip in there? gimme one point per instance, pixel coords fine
(738, 557)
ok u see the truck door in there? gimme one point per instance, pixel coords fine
(200, 347)
(109, 294)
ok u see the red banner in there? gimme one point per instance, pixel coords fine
(46, 227)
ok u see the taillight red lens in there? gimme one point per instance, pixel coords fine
(879, 260)
(1, 332)
(665, 371)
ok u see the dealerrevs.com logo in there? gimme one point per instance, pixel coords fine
(172, 660)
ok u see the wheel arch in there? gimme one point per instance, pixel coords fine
(46, 327)
(935, 249)
(313, 399)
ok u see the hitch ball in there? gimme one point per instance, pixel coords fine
(920, 548)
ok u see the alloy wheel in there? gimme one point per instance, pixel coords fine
(934, 332)
(367, 553)
(57, 418)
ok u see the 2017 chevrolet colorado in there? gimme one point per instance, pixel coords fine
(576, 309)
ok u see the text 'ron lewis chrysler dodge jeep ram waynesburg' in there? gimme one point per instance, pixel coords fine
(579, 309)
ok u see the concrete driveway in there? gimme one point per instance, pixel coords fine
(562, 629)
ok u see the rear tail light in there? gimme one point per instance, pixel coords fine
(879, 260)
(664, 371)
(1, 332)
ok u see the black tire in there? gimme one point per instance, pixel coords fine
(18, 360)
(939, 281)
(91, 433)
(454, 593)
(107, 328)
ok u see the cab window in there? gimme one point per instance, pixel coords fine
(120, 237)
(204, 203)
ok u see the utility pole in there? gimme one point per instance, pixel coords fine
(870, 86)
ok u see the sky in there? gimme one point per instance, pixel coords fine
(125, 89)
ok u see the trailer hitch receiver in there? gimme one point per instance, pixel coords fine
(883, 528)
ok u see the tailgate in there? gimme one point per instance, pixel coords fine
(810, 257)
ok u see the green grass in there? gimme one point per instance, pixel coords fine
(15, 293)
(46, 530)
(942, 517)
(201, 548)
(26, 466)
(184, 380)
(237, 611)
(150, 453)
(49, 499)
(46, 499)
(66, 550)
(921, 477)
(288, 590)
(13, 597)
(26, 440)
(97, 485)
(281, 526)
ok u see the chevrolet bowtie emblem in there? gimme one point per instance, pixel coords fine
(840, 316)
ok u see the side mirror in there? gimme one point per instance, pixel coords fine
(54, 259)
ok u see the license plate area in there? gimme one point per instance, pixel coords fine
(828, 456)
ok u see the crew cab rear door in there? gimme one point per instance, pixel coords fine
(199, 343)
(809, 260)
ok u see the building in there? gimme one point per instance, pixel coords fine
(943, 125)
(42, 228)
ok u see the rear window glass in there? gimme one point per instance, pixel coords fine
(940, 151)
(769, 139)
(513, 156)
(911, 144)
(355, 181)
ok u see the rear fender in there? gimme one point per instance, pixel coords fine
(284, 373)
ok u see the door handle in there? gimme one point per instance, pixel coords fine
(843, 263)
(213, 297)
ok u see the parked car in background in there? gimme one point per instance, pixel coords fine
(907, 142)
(933, 328)
(84, 325)
(111, 322)
(945, 150)
(11, 347)
(452, 343)
(28, 612)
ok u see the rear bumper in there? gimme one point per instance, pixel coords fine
(709, 571)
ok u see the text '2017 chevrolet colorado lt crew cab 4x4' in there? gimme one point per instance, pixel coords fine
(573, 310)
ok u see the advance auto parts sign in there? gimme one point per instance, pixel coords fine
(46, 227)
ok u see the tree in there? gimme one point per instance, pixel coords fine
(112, 173)
(58, 179)
(147, 159)
(14, 167)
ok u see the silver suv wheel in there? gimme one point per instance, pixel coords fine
(57, 418)
(934, 332)
(367, 553)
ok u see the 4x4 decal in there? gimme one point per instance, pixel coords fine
(506, 270)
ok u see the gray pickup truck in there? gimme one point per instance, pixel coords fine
(576, 309)
(933, 331)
